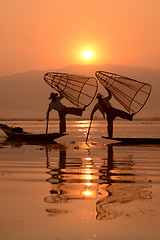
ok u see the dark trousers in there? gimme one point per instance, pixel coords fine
(64, 112)
(112, 113)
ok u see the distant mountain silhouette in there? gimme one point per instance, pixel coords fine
(25, 95)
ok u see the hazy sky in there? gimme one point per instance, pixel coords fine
(43, 34)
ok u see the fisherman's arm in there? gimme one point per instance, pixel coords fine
(60, 93)
(109, 94)
(103, 113)
(93, 111)
(60, 97)
(97, 107)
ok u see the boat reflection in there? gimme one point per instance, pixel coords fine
(107, 180)
(110, 177)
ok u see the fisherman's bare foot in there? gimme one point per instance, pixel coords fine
(131, 116)
(84, 108)
(62, 132)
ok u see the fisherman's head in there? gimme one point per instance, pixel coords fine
(53, 95)
(99, 95)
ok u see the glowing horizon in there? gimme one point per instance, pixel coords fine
(34, 40)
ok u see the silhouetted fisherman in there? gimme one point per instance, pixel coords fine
(104, 106)
(62, 110)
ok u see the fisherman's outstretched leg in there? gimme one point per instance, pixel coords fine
(64, 112)
(75, 111)
(122, 114)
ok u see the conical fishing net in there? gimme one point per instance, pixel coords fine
(130, 93)
(79, 90)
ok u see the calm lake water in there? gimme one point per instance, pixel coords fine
(71, 190)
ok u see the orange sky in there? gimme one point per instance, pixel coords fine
(43, 34)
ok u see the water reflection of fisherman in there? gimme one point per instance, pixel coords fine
(62, 110)
(105, 170)
(57, 195)
(104, 106)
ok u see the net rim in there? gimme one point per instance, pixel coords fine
(95, 91)
(104, 73)
(146, 84)
(60, 75)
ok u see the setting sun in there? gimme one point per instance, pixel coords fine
(87, 55)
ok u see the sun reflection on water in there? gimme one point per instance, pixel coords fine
(77, 178)
(89, 194)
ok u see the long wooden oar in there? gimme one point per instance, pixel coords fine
(47, 125)
(89, 130)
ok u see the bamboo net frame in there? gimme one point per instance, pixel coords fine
(130, 93)
(79, 90)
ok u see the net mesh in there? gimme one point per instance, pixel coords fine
(79, 90)
(130, 93)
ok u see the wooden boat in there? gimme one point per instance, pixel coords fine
(18, 134)
(135, 140)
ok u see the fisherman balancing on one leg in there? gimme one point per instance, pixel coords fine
(62, 110)
(104, 106)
